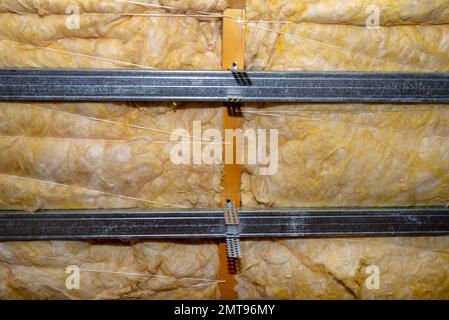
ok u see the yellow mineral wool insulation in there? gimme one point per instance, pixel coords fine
(329, 155)
(353, 155)
(52, 156)
(357, 155)
(321, 47)
(114, 270)
(407, 268)
(55, 155)
(109, 41)
(392, 157)
(105, 155)
(133, 122)
(46, 7)
(397, 12)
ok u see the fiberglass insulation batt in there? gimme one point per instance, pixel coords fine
(100, 155)
(349, 155)
(105, 155)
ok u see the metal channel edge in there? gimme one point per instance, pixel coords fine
(24, 84)
(203, 224)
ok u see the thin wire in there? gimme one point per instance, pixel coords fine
(130, 141)
(129, 125)
(345, 124)
(150, 5)
(171, 15)
(320, 43)
(141, 140)
(209, 281)
(92, 190)
(81, 54)
(274, 31)
(215, 15)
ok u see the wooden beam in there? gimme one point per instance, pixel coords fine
(233, 52)
(237, 4)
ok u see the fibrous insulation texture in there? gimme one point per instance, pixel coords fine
(106, 155)
(116, 155)
(349, 155)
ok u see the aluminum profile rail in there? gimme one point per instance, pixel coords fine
(222, 86)
(191, 224)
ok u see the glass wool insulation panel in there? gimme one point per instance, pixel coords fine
(348, 155)
(105, 155)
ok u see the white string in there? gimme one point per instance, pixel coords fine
(359, 126)
(171, 15)
(209, 281)
(129, 125)
(150, 5)
(81, 54)
(177, 142)
(320, 43)
(272, 30)
(215, 15)
(130, 141)
(94, 191)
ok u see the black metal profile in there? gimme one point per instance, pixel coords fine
(191, 224)
(222, 86)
